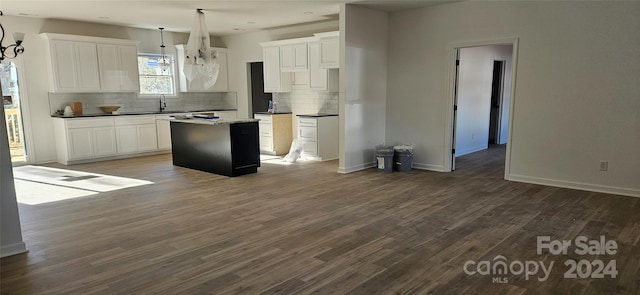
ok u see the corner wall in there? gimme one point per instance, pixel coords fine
(576, 92)
(10, 232)
(363, 85)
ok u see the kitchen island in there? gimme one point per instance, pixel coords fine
(225, 147)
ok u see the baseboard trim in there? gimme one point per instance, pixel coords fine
(355, 168)
(430, 167)
(576, 185)
(13, 249)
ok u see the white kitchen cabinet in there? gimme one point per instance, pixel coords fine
(319, 78)
(127, 139)
(118, 68)
(91, 64)
(197, 85)
(275, 133)
(329, 50)
(73, 66)
(136, 134)
(274, 79)
(294, 57)
(84, 138)
(81, 143)
(163, 130)
(318, 137)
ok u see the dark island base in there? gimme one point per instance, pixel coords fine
(225, 149)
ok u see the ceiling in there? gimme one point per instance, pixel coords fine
(223, 17)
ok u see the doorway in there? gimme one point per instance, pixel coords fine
(259, 99)
(13, 111)
(482, 74)
(497, 90)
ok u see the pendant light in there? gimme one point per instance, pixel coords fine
(164, 63)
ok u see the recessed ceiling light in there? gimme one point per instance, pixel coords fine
(236, 29)
(23, 14)
(308, 12)
(251, 23)
(104, 17)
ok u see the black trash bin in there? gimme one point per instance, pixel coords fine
(384, 158)
(403, 158)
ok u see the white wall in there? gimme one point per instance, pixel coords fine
(245, 48)
(576, 92)
(40, 130)
(474, 96)
(363, 85)
(10, 233)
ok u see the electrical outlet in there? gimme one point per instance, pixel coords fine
(473, 136)
(604, 165)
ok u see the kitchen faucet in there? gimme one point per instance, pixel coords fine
(163, 103)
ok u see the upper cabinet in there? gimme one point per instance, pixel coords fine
(319, 78)
(197, 85)
(91, 64)
(274, 79)
(329, 50)
(118, 68)
(314, 55)
(73, 66)
(294, 57)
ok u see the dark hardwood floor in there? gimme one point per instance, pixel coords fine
(304, 229)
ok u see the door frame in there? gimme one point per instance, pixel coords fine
(449, 134)
(30, 156)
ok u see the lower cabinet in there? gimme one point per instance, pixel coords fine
(275, 133)
(92, 139)
(136, 134)
(102, 138)
(318, 137)
(81, 139)
(163, 131)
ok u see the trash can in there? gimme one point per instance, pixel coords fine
(403, 158)
(384, 157)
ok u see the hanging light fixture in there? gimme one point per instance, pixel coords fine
(200, 60)
(17, 47)
(164, 61)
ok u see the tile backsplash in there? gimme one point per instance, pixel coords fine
(302, 100)
(131, 103)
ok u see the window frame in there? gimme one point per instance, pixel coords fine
(174, 75)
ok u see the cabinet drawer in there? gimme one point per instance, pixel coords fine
(85, 123)
(135, 120)
(266, 143)
(308, 121)
(308, 132)
(265, 129)
(309, 147)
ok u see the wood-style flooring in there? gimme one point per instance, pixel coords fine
(304, 228)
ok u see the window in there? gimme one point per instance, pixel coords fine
(153, 80)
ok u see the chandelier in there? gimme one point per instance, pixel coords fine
(17, 47)
(200, 60)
